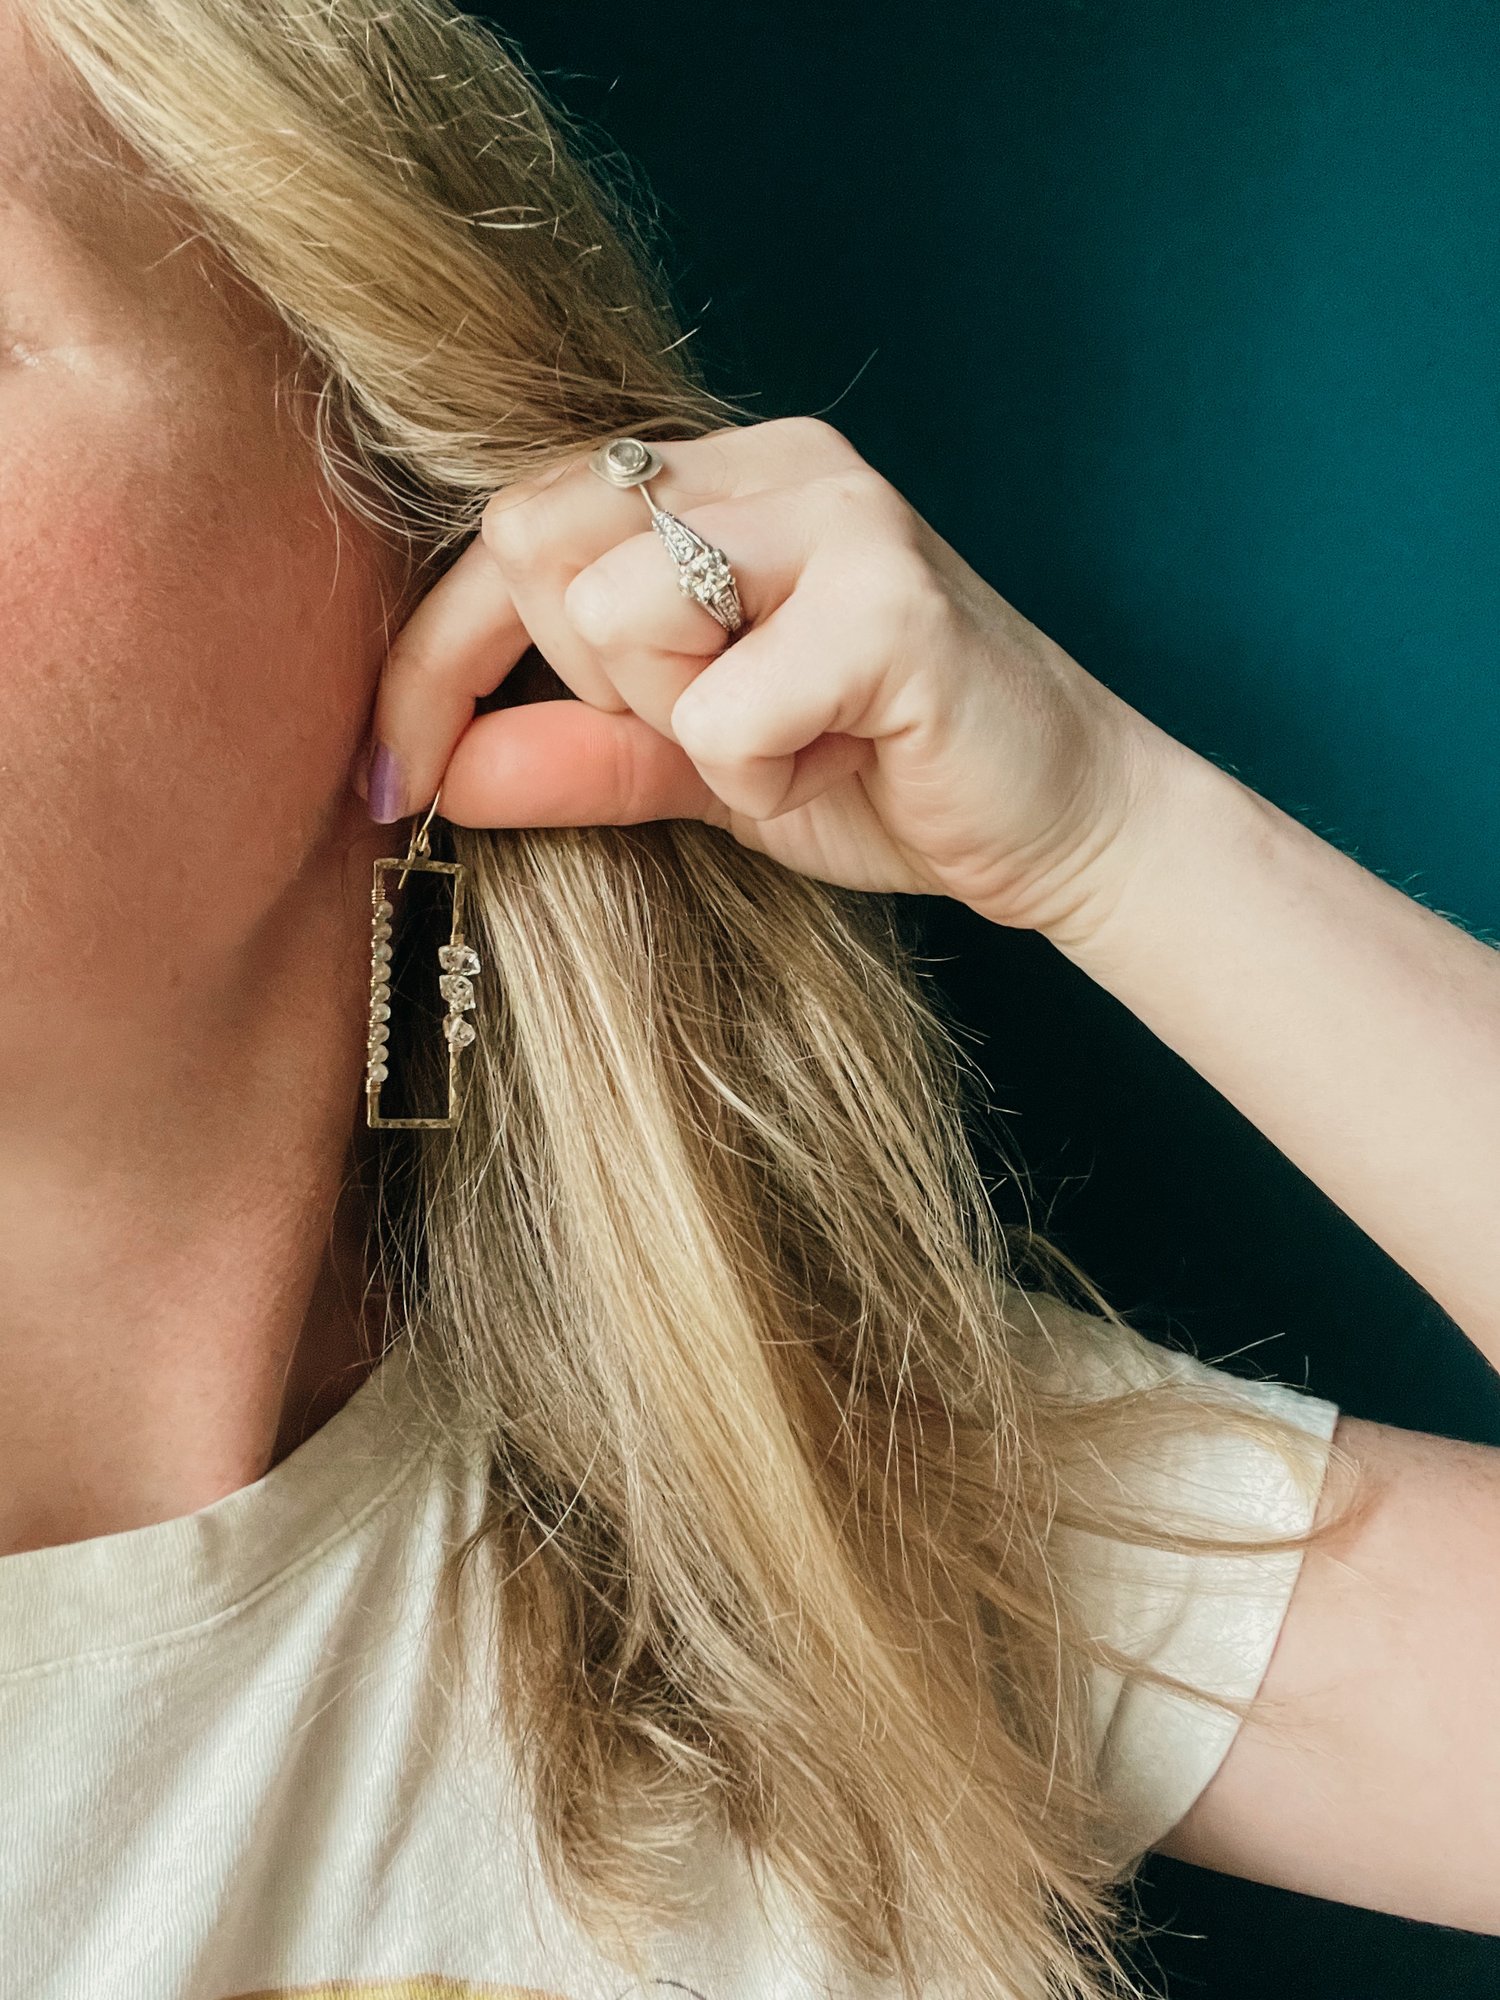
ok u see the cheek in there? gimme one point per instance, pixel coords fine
(188, 647)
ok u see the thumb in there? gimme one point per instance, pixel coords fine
(567, 763)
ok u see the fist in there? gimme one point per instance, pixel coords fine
(882, 719)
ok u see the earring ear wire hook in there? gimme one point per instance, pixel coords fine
(420, 844)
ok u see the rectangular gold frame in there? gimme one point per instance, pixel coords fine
(455, 936)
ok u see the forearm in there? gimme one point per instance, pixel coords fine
(1358, 1030)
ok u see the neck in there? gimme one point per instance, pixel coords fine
(182, 1261)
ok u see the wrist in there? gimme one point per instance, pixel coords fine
(1138, 888)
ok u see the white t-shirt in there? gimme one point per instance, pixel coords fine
(228, 1766)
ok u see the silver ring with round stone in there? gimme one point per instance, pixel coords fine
(703, 572)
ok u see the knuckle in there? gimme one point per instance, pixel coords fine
(897, 585)
(816, 441)
(409, 664)
(860, 490)
(514, 531)
(413, 656)
(629, 786)
(592, 606)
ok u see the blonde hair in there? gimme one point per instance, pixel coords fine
(708, 1271)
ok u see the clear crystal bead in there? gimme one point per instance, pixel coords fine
(381, 931)
(379, 1033)
(458, 958)
(377, 1073)
(380, 1011)
(459, 1031)
(380, 992)
(384, 909)
(381, 955)
(456, 990)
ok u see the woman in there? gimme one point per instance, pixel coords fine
(641, 1534)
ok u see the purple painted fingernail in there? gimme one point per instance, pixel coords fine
(385, 785)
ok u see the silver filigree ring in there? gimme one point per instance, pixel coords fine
(703, 572)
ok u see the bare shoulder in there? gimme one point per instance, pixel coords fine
(1368, 1770)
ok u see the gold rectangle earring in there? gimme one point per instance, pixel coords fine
(459, 962)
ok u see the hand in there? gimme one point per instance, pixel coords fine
(883, 720)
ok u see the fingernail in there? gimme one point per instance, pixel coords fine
(385, 785)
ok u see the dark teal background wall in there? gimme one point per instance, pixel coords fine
(1180, 319)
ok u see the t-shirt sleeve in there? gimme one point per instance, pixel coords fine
(1212, 1620)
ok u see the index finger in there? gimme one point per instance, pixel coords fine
(459, 643)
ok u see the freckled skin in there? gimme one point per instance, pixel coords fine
(181, 691)
(190, 639)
